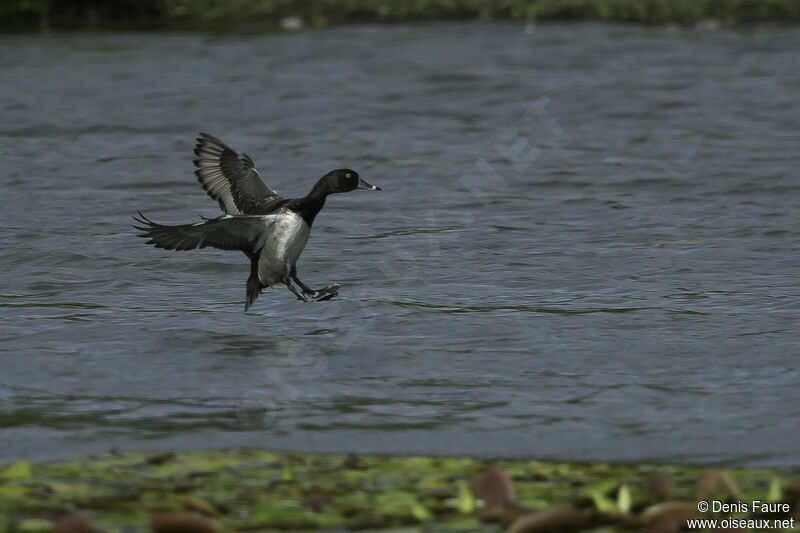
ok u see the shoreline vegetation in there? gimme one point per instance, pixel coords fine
(267, 15)
(254, 490)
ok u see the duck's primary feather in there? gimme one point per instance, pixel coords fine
(231, 179)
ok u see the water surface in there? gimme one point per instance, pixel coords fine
(586, 247)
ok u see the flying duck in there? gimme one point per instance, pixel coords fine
(271, 231)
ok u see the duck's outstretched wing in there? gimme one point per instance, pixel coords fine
(231, 179)
(246, 233)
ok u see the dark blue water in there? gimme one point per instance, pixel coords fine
(586, 247)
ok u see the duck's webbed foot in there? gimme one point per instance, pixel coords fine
(324, 294)
(311, 295)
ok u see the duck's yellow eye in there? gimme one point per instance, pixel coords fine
(348, 175)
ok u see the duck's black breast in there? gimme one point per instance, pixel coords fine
(306, 207)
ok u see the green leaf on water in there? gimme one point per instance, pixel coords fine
(400, 503)
(13, 491)
(466, 501)
(269, 512)
(34, 525)
(602, 502)
(20, 470)
(624, 499)
(420, 512)
(775, 493)
(599, 495)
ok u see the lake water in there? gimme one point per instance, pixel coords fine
(586, 247)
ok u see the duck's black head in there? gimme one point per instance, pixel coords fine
(339, 180)
(345, 180)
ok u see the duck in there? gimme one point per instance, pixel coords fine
(272, 231)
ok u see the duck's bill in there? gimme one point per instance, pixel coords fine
(364, 185)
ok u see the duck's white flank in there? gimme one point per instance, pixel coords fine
(287, 235)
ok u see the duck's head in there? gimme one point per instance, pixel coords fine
(345, 180)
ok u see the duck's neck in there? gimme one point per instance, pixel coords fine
(309, 205)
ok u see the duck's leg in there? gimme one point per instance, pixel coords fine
(317, 296)
(300, 295)
(306, 288)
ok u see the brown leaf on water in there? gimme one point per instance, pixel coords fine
(494, 487)
(659, 485)
(552, 519)
(182, 523)
(72, 523)
(791, 494)
(668, 517)
(622, 521)
(505, 514)
(568, 518)
(718, 482)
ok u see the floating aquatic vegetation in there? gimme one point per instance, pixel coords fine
(251, 490)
